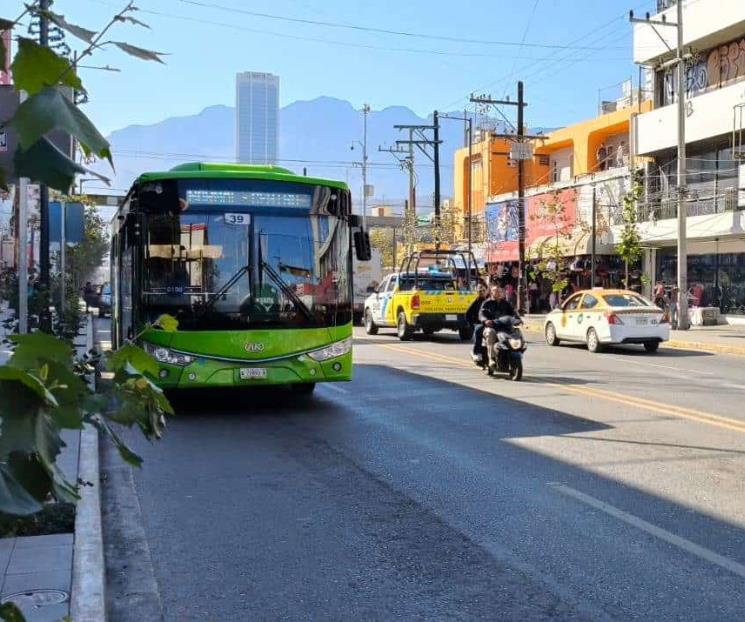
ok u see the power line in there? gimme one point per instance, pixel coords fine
(385, 31)
(349, 44)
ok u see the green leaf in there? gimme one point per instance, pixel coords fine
(45, 163)
(36, 67)
(125, 452)
(29, 381)
(167, 323)
(139, 360)
(50, 110)
(78, 31)
(141, 53)
(14, 498)
(32, 350)
(9, 612)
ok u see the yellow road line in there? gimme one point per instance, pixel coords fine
(610, 396)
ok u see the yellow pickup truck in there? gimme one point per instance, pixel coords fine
(427, 300)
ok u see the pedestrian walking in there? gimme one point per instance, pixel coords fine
(674, 306)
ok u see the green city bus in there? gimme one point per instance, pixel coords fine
(255, 264)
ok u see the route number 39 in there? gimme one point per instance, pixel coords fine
(237, 219)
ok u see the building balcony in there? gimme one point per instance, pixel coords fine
(708, 115)
(705, 25)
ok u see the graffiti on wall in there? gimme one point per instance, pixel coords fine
(710, 69)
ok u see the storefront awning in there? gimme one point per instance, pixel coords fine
(579, 243)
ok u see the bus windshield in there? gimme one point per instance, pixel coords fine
(234, 267)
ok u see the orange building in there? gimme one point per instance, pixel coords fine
(563, 157)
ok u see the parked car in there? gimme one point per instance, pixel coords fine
(104, 301)
(600, 317)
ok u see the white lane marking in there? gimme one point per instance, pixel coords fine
(658, 532)
(333, 387)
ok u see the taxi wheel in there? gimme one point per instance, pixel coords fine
(371, 328)
(593, 343)
(652, 346)
(404, 329)
(551, 338)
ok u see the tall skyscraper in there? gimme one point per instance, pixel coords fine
(257, 117)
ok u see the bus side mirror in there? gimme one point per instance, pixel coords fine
(362, 245)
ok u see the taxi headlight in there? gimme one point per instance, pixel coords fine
(168, 356)
(329, 352)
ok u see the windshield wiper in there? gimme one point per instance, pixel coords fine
(288, 291)
(224, 289)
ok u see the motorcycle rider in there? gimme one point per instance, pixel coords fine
(495, 307)
(472, 317)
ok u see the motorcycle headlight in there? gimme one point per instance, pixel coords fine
(516, 343)
(329, 352)
(166, 355)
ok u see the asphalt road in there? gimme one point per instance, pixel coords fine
(601, 487)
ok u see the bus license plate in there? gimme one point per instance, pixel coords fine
(253, 373)
(451, 318)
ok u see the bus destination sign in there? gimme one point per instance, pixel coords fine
(248, 199)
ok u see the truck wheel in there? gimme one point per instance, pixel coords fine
(465, 333)
(404, 329)
(371, 328)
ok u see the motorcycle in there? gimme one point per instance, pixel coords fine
(508, 349)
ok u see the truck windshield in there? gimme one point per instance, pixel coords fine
(247, 268)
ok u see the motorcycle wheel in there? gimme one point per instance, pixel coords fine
(516, 370)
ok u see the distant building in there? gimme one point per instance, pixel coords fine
(257, 117)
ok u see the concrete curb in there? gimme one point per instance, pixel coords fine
(675, 344)
(88, 602)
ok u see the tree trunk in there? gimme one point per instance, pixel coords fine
(626, 280)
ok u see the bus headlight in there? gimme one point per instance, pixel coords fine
(329, 352)
(166, 355)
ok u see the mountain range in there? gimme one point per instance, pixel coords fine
(317, 135)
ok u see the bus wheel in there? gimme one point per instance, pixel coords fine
(304, 388)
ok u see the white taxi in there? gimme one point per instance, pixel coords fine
(600, 317)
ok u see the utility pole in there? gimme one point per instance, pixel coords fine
(436, 123)
(365, 111)
(679, 61)
(522, 284)
(682, 210)
(44, 319)
(418, 139)
(520, 154)
(594, 234)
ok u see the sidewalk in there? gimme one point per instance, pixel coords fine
(723, 339)
(37, 570)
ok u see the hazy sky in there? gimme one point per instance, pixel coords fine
(586, 48)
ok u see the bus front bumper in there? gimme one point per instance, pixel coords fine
(300, 369)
